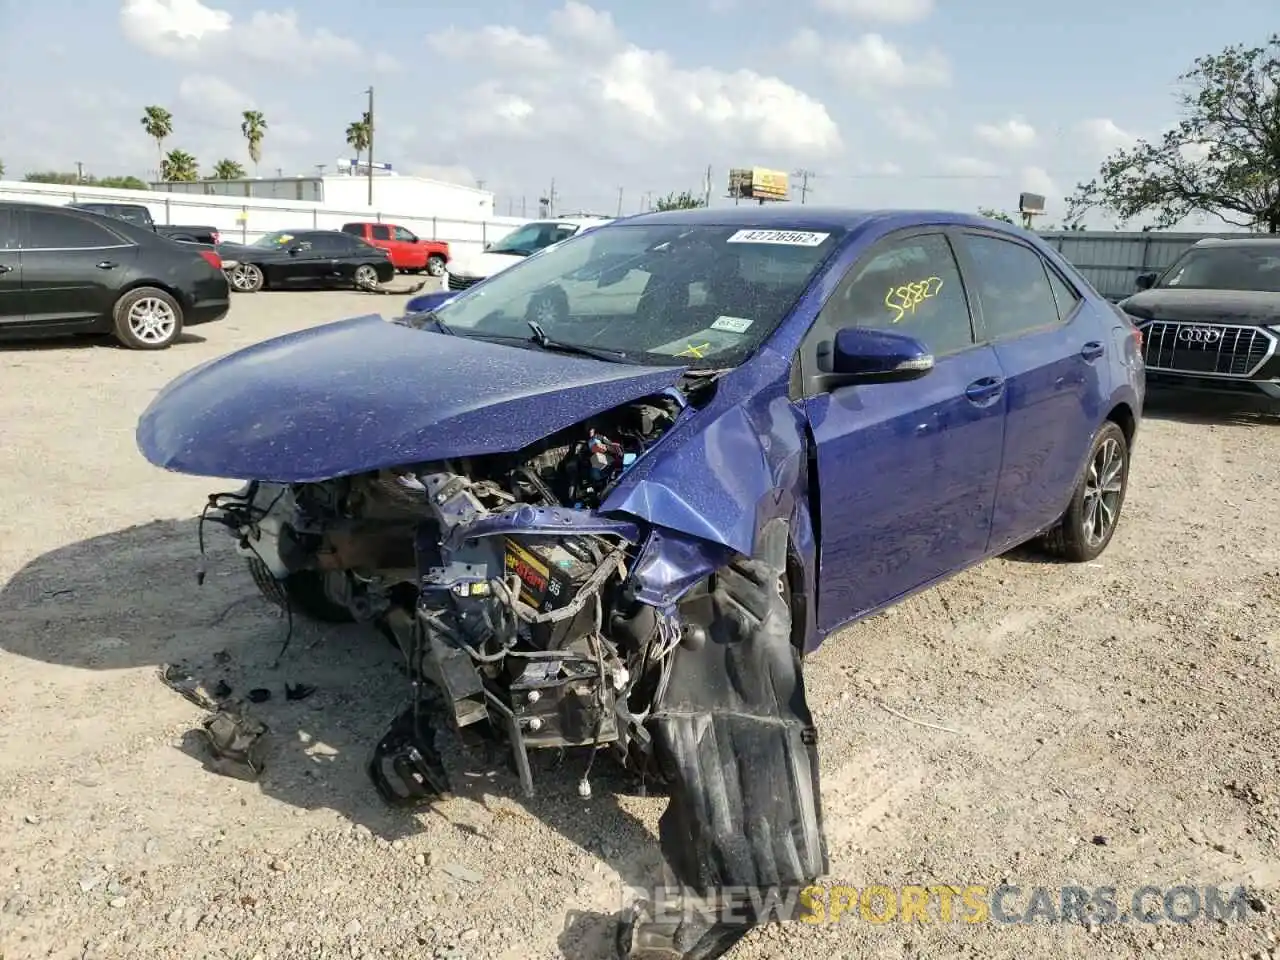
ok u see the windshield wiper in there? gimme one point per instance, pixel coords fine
(540, 339)
(430, 318)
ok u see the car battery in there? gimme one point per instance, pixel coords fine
(551, 572)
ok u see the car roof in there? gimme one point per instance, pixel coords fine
(1246, 241)
(789, 216)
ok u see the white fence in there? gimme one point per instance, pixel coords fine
(244, 220)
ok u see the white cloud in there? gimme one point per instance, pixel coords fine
(1037, 180)
(212, 98)
(884, 11)
(593, 28)
(1012, 134)
(506, 46)
(1104, 135)
(871, 63)
(961, 166)
(453, 173)
(191, 31)
(911, 125)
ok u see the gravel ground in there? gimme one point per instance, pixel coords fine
(1108, 724)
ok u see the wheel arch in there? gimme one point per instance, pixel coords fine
(184, 300)
(1122, 415)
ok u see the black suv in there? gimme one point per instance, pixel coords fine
(68, 271)
(1211, 321)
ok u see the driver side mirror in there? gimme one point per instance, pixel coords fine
(1146, 281)
(861, 355)
(488, 245)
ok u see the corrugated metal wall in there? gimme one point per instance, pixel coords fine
(1111, 261)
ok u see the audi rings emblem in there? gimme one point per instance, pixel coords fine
(1199, 335)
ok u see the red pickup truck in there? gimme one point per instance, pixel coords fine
(408, 252)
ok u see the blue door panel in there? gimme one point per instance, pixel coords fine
(907, 476)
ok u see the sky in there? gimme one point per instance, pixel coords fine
(918, 103)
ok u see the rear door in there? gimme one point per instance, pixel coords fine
(1052, 361)
(906, 471)
(12, 306)
(72, 267)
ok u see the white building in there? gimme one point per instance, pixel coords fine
(393, 195)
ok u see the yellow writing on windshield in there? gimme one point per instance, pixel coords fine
(905, 298)
(694, 351)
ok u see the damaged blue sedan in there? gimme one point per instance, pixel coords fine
(611, 496)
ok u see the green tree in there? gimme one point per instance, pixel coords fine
(228, 170)
(1222, 159)
(254, 128)
(71, 177)
(158, 122)
(178, 165)
(684, 200)
(358, 134)
(1, 169)
(993, 214)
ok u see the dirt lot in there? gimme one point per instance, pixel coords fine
(1113, 724)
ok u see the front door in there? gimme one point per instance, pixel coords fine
(906, 471)
(71, 267)
(1051, 362)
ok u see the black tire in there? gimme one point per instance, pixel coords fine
(303, 591)
(435, 265)
(246, 278)
(1085, 530)
(147, 318)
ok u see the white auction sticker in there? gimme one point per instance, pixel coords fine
(790, 238)
(732, 324)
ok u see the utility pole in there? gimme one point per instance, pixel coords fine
(804, 176)
(524, 207)
(320, 169)
(646, 203)
(706, 200)
(370, 92)
(479, 184)
(79, 172)
(620, 201)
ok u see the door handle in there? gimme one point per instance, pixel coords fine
(106, 264)
(5, 269)
(1092, 350)
(984, 392)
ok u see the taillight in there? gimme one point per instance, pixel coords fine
(212, 258)
(1137, 338)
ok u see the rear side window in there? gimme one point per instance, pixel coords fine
(1012, 285)
(381, 232)
(355, 229)
(8, 230)
(1066, 296)
(909, 286)
(54, 230)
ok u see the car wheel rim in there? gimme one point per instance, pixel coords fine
(435, 268)
(546, 312)
(244, 276)
(1103, 488)
(366, 276)
(152, 320)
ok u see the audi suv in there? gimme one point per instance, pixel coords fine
(1211, 321)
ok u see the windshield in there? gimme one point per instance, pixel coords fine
(277, 239)
(700, 295)
(532, 237)
(1226, 268)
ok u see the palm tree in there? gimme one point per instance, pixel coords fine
(178, 165)
(358, 135)
(228, 170)
(254, 129)
(158, 122)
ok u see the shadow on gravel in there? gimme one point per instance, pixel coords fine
(129, 599)
(1208, 408)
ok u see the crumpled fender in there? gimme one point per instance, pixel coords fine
(722, 472)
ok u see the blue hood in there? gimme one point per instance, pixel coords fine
(364, 394)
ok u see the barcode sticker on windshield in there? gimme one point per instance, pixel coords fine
(732, 324)
(790, 238)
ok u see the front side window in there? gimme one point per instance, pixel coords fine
(404, 236)
(909, 286)
(703, 295)
(277, 238)
(52, 230)
(1012, 285)
(532, 237)
(1225, 268)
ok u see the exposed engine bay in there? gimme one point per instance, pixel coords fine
(505, 592)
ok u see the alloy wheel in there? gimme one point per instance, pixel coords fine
(366, 277)
(245, 276)
(152, 320)
(1103, 488)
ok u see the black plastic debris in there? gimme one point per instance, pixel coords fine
(298, 691)
(236, 744)
(259, 695)
(179, 681)
(405, 767)
(222, 690)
